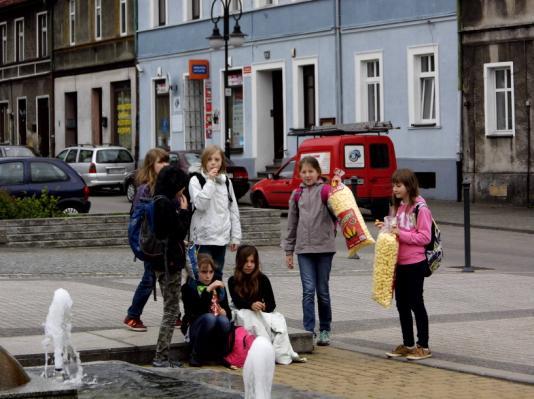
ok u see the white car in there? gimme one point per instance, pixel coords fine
(100, 166)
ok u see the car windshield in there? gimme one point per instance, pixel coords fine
(287, 171)
(113, 156)
(18, 152)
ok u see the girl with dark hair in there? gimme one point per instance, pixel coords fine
(414, 233)
(311, 235)
(171, 225)
(252, 296)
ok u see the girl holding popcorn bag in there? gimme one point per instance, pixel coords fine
(311, 235)
(414, 233)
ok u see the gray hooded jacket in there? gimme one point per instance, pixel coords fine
(310, 228)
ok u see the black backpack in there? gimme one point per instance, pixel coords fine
(434, 249)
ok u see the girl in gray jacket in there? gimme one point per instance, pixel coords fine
(311, 235)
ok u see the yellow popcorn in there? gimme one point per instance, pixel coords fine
(343, 205)
(386, 251)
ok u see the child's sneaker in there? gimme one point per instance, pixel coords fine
(166, 363)
(134, 324)
(420, 353)
(324, 338)
(400, 351)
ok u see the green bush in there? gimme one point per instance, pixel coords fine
(43, 206)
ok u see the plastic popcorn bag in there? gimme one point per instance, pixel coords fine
(343, 205)
(386, 250)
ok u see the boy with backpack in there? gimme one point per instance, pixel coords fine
(170, 227)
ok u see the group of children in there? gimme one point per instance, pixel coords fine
(211, 221)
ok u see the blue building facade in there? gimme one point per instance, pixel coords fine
(304, 63)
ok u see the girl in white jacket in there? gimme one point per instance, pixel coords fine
(215, 223)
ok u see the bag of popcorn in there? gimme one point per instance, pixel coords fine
(343, 205)
(386, 251)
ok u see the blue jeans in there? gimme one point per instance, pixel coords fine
(315, 276)
(218, 253)
(142, 292)
(208, 336)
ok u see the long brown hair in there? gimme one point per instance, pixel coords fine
(247, 285)
(209, 151)
(146, 174)
(409, 180)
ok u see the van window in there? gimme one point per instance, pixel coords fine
(379, 156)
(287, 172)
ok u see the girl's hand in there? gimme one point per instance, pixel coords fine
(335, 180)
(379, 224)
(183, 201)
(395, 230)
(222, 312)
(233, 247)
(216, 284)
(212, 173)
(289, 261)
(258, 306)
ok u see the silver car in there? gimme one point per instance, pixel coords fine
(100, 166)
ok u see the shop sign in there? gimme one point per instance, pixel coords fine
(198, 69)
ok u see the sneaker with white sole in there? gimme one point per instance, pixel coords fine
(134, 324)
(420, 353)
(324, 338)
(400, 351)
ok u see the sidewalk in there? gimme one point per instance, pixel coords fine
(480, 324)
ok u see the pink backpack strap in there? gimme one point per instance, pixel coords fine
(325, 193)
(298, 193)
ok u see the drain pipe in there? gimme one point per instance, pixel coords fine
(339, 70)
(527, 105)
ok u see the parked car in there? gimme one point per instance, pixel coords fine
(16, 151)
(25, 177)
(100, 166)
(189, 161)
(368, 161)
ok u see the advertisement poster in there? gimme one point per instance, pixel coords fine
(208, 112)
(354, 156)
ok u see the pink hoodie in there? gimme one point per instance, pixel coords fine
(412, 237)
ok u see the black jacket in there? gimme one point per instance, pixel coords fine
(195, 304)
(265, 295)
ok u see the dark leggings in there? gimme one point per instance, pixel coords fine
(409, 280)
(208, 336)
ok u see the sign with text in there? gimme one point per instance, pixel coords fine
(199, 69)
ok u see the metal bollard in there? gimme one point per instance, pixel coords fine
(467, 228)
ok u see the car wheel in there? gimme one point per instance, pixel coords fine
(130, 191)
(70, 209)
(258, 200)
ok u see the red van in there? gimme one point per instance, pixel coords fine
(365, 154)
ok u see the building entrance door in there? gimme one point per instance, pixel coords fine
(43, 126)
(277, 114)
(21, 120)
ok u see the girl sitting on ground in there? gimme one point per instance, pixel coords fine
(206, 322)
(253, 297)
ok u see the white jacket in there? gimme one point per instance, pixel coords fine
(214, 221)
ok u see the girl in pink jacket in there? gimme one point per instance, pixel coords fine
(413, 229)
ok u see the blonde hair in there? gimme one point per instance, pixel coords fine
(146, 174)
(208, 152)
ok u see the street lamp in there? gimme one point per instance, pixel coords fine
(216, 41)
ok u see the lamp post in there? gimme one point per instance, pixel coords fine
(216, 41)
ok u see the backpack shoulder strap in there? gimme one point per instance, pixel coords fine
(298, 193)
(227, 183)
(325, 192)
(201, 179)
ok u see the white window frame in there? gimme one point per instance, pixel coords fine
(155, 13)
(414, 87)
(123, 16)
(98, 19)
(72, 22)
(3, 43)
(188, 10)
(361, 81)
(18, 35)
(298, 89)
(39, 32)
(490, 104)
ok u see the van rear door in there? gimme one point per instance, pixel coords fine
(382, 164)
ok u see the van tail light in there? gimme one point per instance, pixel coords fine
(85, 193)
(92, 168)
(240, 174)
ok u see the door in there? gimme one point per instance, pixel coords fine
(71, 119)
(96, 116)
(21, 120)
(43, 126)
(4, 123)
(277, 114)
(282, 185)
